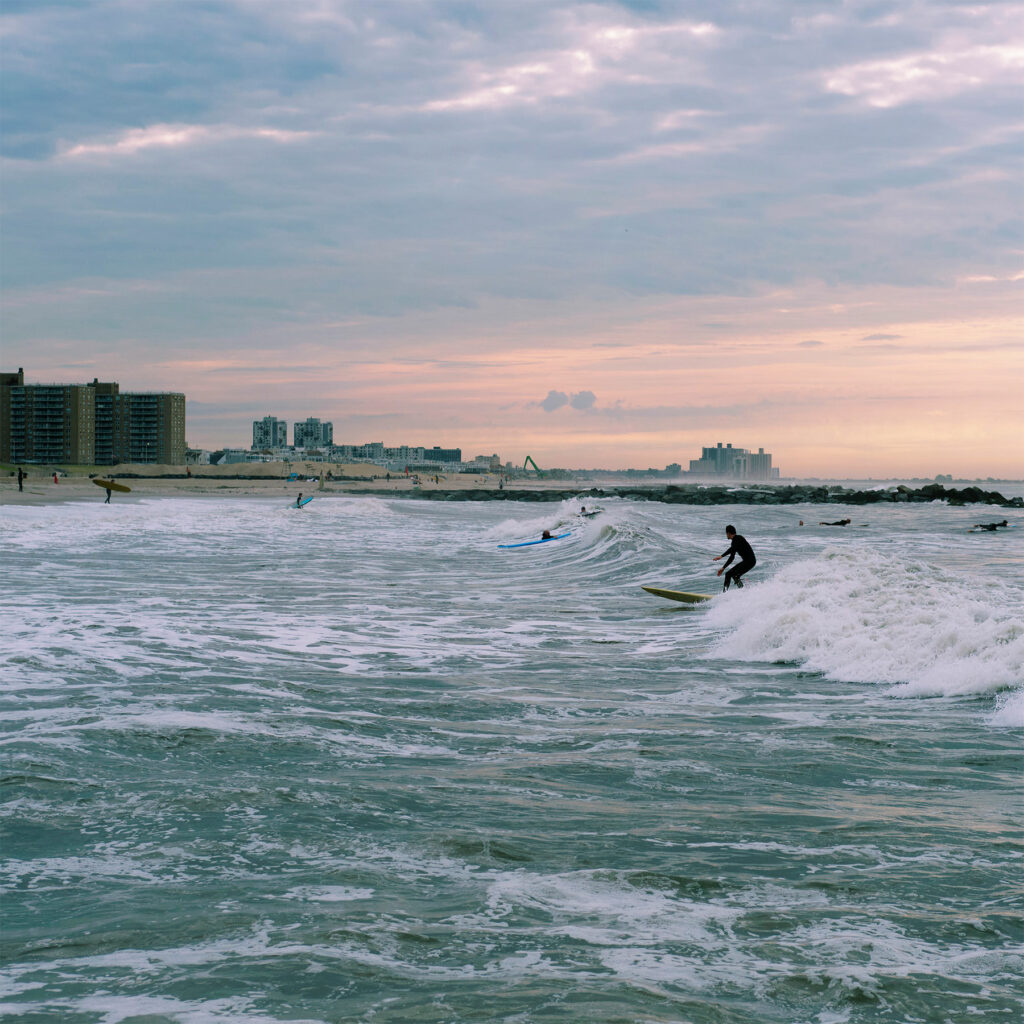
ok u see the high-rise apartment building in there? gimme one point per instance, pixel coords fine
(51, 423)
(108, 423)
(138, 426)
(269, 432)
(735, 463)
(88, 424)
(313, 434)
(152, 428)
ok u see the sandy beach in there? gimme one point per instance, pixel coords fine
(148, 481)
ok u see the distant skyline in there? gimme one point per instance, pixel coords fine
(603, 234)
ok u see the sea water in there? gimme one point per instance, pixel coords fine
(355, 763)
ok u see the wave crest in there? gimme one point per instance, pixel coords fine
(855, 616)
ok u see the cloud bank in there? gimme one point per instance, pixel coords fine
(529, 191)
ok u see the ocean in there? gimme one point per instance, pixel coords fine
(355, 763)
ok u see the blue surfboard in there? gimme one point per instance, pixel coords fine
(527, 543)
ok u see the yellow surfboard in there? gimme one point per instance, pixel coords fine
(678, 595)
(112, 484)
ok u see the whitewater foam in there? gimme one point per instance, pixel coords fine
(856, 616)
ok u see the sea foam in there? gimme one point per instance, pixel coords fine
(856, 616)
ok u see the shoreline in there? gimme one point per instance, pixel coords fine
(41, 492)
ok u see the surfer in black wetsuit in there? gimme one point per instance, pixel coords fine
(992, 527)
(747, 560)
(298, 500)
(840, 522)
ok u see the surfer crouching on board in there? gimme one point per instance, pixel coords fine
(747, 560)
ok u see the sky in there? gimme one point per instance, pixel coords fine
(602, 234)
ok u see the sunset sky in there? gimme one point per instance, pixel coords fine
(602, 234)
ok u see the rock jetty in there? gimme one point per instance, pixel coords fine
(695, 494)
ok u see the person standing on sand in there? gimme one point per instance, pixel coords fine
(739, 546)
(21, 477)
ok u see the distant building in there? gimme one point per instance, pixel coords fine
(734, 463)
(269, 432)
(397, 457)
(88, 424)
(313, 434)
(436, 454)
(49, 423)
(152, 428)
(488, 463)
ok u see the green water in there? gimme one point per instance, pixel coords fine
(359, 765)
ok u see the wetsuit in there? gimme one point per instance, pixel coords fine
(747, 560)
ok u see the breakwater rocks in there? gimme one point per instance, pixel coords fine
(694, 494)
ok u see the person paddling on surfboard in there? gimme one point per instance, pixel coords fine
(991, 526)
(747, 560)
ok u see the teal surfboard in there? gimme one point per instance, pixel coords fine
(527, 543)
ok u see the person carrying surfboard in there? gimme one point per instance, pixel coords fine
(740, 547)
(298, 500)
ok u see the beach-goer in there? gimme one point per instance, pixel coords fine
(21, 477)
(54, 477)
(839, 522)
(991, 527)
(739, 547)
(109, 492)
